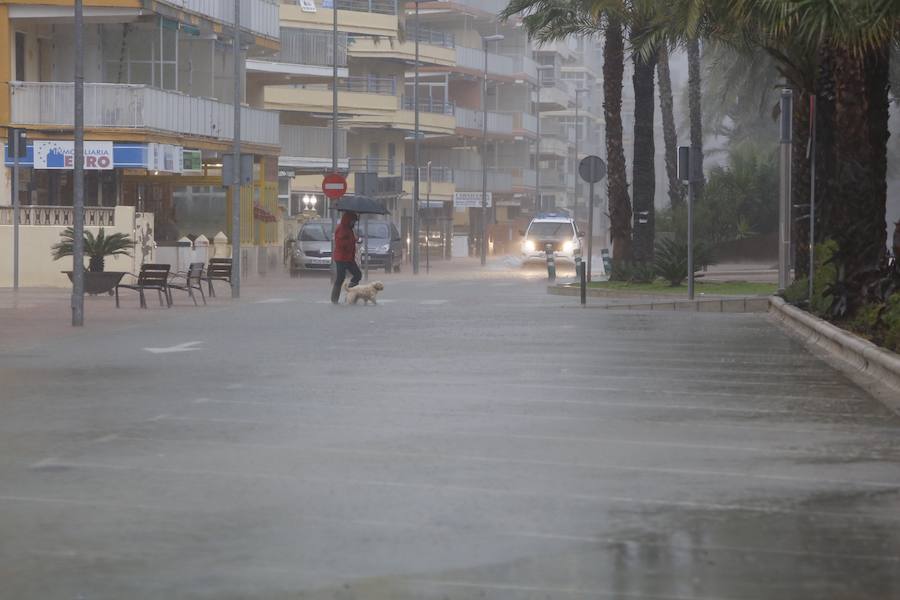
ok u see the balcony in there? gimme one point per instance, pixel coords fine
(553, 178)
(308, 47)
(473, 59)
(490, 7)
(524, 179)
(497, 123)
(257, 16)
(382, 7)
(522, 65)
(438, 174)
(119, 106)
(432, 37)
(525, 123)
(310, 147)
(428, 105)
(470, 180)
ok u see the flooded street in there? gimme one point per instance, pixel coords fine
(469, 437)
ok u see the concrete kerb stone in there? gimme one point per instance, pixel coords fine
(875, 368)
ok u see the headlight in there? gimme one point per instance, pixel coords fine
(383, 249)
(529, 246)
(298, 252)
(568, 246)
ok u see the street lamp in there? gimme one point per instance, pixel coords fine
(415, 199)
(537, 161)
(575, 164)
(484, 43)
(309, 203)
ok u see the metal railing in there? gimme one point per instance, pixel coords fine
(438, 174)
(432, 37)
(524, 122)
(301, 140)
(557, 179)
(257, 16)
(467, 118)
(489, 6)
(307, 47)
(525, 177)
(58, 216)
(428, 105)
(383, 7)
(470, 180)
(369, 164)
(124, 106)
(525, 66)
(473, 58)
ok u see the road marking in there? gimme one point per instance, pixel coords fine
(433, 302)
(185, 347)
(274, 301)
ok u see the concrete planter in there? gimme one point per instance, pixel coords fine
(99, 282)
(855, 355)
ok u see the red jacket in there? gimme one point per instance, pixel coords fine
(345, 239)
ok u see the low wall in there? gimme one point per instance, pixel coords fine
(38, 269)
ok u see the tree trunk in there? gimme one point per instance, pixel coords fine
(643, 166)
(694, 98)
(617, 178)
(857, 187)
(667, 108)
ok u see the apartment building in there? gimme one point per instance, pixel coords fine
(376, 75)
(158, 121)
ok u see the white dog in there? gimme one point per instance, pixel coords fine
(366, 293)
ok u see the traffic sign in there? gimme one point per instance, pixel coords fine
(334, 185)
(592, 169)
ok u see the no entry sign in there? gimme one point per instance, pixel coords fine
(334, 185)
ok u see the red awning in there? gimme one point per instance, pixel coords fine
(261, 214)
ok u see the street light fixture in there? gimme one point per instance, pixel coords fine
(484, 43)
(538, 204)
(577, 139)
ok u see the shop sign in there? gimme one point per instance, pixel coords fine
(164, 157)
(470, 200)
(60, 154)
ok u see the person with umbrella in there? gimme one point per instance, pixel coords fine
(345, 255)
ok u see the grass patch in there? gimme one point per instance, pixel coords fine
(712, 288)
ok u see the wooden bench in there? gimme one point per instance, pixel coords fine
(193, 280)
(218, 269)
(151, 277)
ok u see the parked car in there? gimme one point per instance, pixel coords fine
(557, 230)
(384, 245)
(312, 249)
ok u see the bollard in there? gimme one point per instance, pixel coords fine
(581, 271)
(551, 262)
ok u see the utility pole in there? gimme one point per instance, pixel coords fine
(78, 174)
(484, 212)
(415, 199)
(784, 204)
(237, 175)
(17, 150)
(576, 161)
(812, 196)
(334, 123)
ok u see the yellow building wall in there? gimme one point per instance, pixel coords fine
(349, 21)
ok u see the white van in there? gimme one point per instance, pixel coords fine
(555, 229)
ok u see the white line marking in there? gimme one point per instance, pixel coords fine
(433, 302)
(274, 301)
(185, 347)
(107, 438)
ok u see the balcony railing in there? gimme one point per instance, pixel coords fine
(438, 174)
(524, 122)
(557, 179)
(470, 180)
(383, 7)
(525, 66)
(473, 58)
(306, 47)
(489, 6)
(257, 16)
(428, 105)
(370, 164)
(123, 106)
(138, 107)
(432, 37)
(58, 216)
(466, 118)
(312, 142)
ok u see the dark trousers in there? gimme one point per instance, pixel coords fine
(342, 268)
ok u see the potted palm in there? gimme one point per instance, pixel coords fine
(96, 248)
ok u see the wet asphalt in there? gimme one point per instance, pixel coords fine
(469, 437)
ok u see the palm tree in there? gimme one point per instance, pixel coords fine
(548, 20)
(643, 164)
(670, 134)
(97, 248)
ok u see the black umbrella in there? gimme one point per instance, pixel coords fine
(361, 205)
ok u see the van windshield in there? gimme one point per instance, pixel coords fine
(551, 230)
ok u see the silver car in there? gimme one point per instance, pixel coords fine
(312, 249)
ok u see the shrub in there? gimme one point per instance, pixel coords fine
(632, 272)
(670, 260)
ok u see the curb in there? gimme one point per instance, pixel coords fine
(855, 355)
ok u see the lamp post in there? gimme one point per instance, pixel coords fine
(415, 199)
(236, 149)
(78, 174)
(538, 204)
(484, 44)
(334, 121)
(575, 164)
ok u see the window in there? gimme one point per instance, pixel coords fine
(392, 154)
(20, 56)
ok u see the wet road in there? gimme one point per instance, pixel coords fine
(467, 438)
